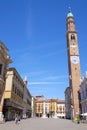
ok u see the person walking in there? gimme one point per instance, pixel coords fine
(16, 120)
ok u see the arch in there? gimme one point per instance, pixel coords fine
(72, 37)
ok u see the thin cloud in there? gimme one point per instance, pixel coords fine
(37, 83)
(34, 73)
(50, 54)
(39, 89)
(56, 77)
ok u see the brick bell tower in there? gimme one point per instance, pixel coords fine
(73, 63)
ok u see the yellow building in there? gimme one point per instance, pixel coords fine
(53, 103)
(4, 62)
(17, 97)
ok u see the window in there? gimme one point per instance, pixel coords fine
(72, 37)
(75, 68)
(0, 69)
(82, 94)
(38, 107)
(13, 88)
(60, 108)
(86, 92)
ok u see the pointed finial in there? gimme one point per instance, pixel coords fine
(69, 12)
(25, 78)
(69, 9)
(86, 74)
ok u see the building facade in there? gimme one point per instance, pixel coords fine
(73, 62)
(68, 103)
(4, 62)
(61, 108)
(17, 99)
(83, 93)
(39, 105)
(49, 107)
(27, 100)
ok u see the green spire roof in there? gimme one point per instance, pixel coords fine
(69, 13)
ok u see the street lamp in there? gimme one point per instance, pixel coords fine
(72, 112)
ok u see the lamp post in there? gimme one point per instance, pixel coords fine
(72, 112)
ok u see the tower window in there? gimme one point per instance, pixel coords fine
(75, 68)
(72, 37)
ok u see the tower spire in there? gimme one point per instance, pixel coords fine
(69, 12)
(69, 9)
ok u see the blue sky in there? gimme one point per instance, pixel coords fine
(34, 31)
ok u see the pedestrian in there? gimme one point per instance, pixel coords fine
(16, 120)
(78, 120)
(19, 118)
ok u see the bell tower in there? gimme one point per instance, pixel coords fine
(73, 63)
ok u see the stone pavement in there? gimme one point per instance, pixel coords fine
(43, 124)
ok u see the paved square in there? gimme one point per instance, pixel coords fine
(43, 124)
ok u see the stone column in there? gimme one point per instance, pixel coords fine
(32, 107)
(55, 114)
(44, 114)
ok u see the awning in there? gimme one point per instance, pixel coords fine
(84, 114)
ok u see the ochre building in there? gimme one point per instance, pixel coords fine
(4, 62)
(17, 98)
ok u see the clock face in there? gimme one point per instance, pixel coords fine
(75, 59)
